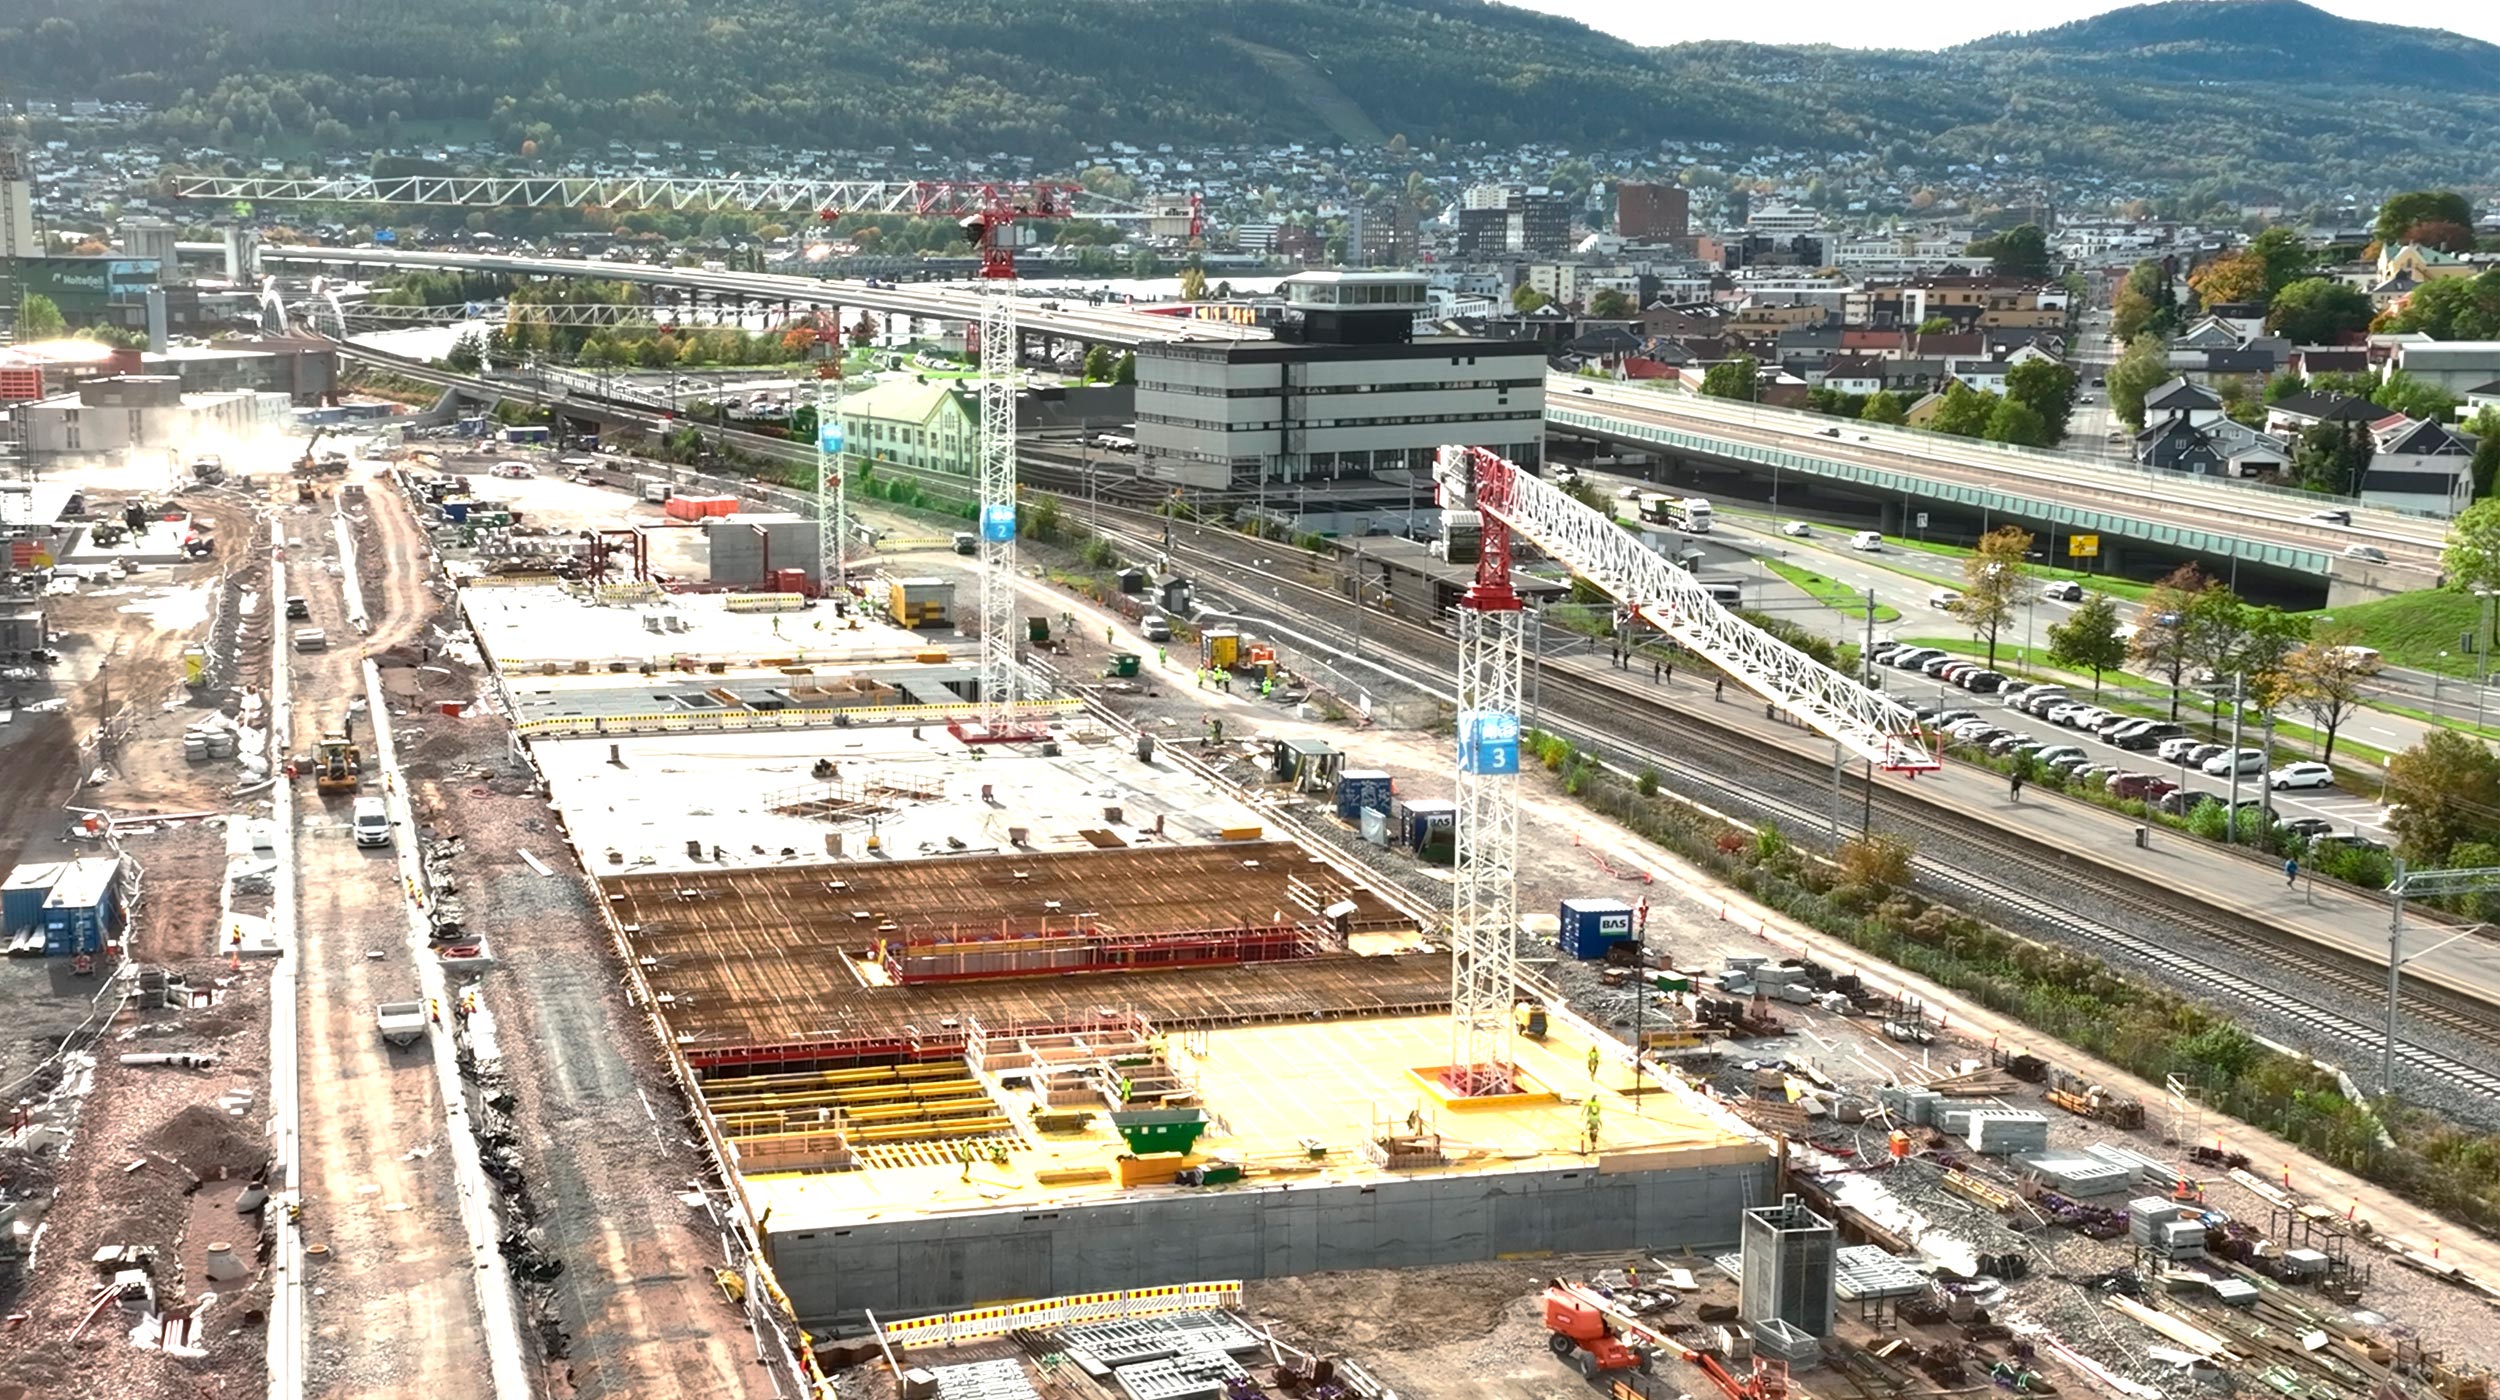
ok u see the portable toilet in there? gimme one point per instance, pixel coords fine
(1220, 649)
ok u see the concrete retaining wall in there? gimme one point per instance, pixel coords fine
(905, 1268)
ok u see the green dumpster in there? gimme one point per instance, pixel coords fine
(1125, 664)
(1037, 629)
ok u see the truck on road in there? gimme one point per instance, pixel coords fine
(402, 1023)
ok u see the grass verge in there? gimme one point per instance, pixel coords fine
(1830, 592)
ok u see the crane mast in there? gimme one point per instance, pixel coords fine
(1511, 504)
(1484, 923)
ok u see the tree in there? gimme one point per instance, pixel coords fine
(2162, 645)
(1099, 365)
(1611, 304)
(2048, 388)
(2235, 277)
(1193, 283)
(1965, 412)
(1992, 583)
(1144, 263)
(1524, 299)
(1935, 325)
(2282, 256)
(2472, 558)
(2238, 404)
(2261, 653)
(2453, 308)
(2144, 366)
(1883, 406)
(2401, 212)
(2440, 793)
(2402, 393)
(2319, 311)
(1730, 379)
(2019, 423)
(39, 318)
(2485, 426)
(2281, 385)
(2089, 641)
(1125, 372)
(467, 353)
(2446, 235)
(2330, 457)
(2020, 251)
(2323, 680)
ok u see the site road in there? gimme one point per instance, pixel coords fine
(392, 1309)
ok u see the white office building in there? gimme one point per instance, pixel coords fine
(1346, 391)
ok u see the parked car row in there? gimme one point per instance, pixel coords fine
(1942, 665)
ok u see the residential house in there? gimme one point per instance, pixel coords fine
(2293, 414)
(1854, 374)
(1987, 376)
(2220, 447)
(2420, 466)
(2482, 396)
(913, 423)
(2306, 360)
(2183, 400)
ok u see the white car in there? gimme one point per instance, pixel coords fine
(2245, 762)
(2301, 775)
(2064, 590)
(1796, 529)
(2173, 750)
(1943, 598)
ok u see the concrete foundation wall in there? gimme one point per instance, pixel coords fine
(907, 1268)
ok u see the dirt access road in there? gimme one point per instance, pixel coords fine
(393, 1310)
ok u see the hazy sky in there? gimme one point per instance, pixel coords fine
(1931, 25)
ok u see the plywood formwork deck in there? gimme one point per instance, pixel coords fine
(1275, 1092)
(766, 956)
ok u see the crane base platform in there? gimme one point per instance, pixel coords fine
(1463, 1087)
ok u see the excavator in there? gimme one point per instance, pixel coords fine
(306, 467)
(337, 765)
(1582, 1322)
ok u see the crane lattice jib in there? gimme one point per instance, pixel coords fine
(1862, 721)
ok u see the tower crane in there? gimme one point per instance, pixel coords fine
(1485, 903)
(986, 213)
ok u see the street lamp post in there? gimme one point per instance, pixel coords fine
(2419, 882)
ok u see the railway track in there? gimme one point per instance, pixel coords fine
(1616, 719)
(1954, 852)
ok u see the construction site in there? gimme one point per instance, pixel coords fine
(569, 926)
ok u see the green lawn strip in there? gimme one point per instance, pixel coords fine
(2098, 583)
(2420, 630)
(1831, 593)
(2194, 709)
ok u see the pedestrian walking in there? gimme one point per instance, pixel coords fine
(2015, 782)
(1653, 671)
(1718, 689)
(1592, 1062)
(1670, 671)
(2291, 871)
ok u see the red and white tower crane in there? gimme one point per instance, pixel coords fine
(987, 213)
(1508, 502)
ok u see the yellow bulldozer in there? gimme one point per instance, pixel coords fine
(338, 764)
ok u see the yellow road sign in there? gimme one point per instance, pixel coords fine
(2083, 546)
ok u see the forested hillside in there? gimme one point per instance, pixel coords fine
(2255, 92)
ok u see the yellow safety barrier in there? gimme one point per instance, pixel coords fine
(976, 1324)
(738, 721)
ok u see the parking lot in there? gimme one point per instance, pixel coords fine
(1997, 721)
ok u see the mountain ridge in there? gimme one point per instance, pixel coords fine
(2247, 96)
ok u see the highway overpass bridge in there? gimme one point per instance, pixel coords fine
(2145, 521)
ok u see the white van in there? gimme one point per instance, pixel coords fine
(372, 822)
(311, 639)
(1867, 541)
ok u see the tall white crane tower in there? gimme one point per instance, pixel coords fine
(833, 502)
(1485, 903)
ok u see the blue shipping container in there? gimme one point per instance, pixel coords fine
(1597, 918)
(1359, 790)
(22, 897)
(84, 908)
(1428, 817)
